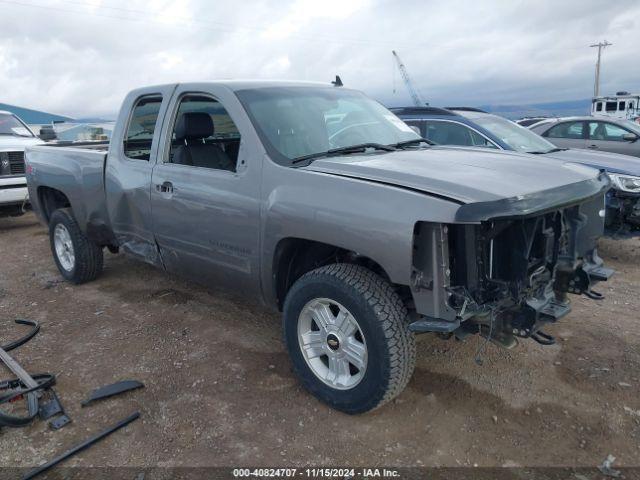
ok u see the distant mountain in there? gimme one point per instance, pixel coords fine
(93, 120)
(552, 109)
(34, 117)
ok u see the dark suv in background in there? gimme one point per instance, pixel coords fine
(471, 127)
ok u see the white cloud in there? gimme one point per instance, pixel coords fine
(276, 68)
(80, 58)
(303, 12)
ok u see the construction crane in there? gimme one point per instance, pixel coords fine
(415, 96)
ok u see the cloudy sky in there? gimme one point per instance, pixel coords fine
(79, 58)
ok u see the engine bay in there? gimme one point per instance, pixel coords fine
(507, 277)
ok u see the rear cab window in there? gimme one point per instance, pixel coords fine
(141, 128)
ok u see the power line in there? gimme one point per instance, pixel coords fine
(205, 24)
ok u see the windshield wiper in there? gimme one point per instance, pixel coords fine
(553, 150)
(361, 147)
(413, 141)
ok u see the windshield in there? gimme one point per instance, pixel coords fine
(519, 138)
(297, 121)
(633, 126)
(10, 125)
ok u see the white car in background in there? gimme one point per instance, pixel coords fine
(14, 137)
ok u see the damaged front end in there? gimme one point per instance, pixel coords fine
(506, 276)
(623, 212)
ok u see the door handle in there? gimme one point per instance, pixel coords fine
(165, 187)
(593, 147)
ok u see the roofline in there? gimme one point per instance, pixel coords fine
(466, 109)
(602, 97)
(413, 110)
(585, 118)
(242, 84)
(33, 110)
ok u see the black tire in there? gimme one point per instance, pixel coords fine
(382, 318)
(88, 256)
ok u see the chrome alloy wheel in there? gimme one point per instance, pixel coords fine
(64, 247)
(332, 343)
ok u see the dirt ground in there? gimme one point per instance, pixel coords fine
(220, 391)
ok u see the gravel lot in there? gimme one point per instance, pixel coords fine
(220, 391)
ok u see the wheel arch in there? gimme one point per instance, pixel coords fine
(51, 199)
(293, 257)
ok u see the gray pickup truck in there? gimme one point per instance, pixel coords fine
(324, 205)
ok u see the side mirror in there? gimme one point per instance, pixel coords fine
(415, 129)
(630, 137)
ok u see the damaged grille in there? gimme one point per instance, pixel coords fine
(523, 253)
(524, 257)
(507, 258)
(507, 276)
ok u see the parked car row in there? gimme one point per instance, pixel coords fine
(594, 133)
(469, 127)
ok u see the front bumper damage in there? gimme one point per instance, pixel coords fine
(508, 273)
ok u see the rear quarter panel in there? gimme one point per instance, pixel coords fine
(77, 173)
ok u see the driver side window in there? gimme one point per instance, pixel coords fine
(204, 135)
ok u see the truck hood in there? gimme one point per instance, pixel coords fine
(12, 143)
(464, 175)
(611, 162)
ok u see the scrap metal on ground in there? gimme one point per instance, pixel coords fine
(27, 386)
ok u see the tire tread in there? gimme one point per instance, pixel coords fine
(89, 258)
(392, 315)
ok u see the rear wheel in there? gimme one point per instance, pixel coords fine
(78, 259)
(347, 334)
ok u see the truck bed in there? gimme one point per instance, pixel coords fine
(88, 145)
(78, 170)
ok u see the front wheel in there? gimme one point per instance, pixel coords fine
(347, 335)
(78, 258)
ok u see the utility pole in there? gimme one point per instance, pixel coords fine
(600, 45)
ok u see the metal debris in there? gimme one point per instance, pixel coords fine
(607, 467)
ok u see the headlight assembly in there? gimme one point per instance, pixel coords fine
(626, 183)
